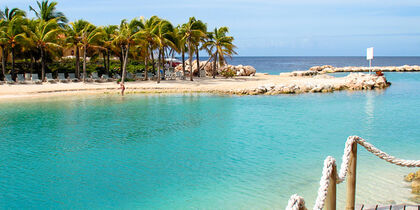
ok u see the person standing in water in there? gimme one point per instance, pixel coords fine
(122, 88)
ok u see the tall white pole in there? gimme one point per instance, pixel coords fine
(370, 66)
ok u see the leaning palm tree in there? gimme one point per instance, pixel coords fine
(9, 14)
(48, 11)
(12, 33)
(127, 34)
(45, 36)
(164, 38)
(90, 37)
(191, 31)
(73, 39)
(222, 46)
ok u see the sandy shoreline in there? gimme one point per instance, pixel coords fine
(199, 85)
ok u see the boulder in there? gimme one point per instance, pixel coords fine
(415, 186)
(409, 177)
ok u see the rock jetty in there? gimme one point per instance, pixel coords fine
(321, 83)
(332, 69)
(239, 70)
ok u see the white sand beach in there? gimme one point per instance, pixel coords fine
(234, 85)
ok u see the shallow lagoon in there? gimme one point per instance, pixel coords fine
(202, 151)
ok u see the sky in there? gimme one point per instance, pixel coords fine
(275, 27)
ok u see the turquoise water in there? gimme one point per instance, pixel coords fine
(201, 151)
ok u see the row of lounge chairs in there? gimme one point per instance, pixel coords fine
(34, 79)
(94, 77)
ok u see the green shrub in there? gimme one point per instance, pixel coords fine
(228, 73)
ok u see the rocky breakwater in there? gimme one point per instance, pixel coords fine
(414, 179)
(239, 70)
(331, 69)
(320, 83)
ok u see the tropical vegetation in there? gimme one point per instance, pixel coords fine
(50, 43)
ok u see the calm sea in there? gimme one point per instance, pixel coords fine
(276, 65)
(199, 151)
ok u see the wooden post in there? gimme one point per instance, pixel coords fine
(351, 179)
(330, 202)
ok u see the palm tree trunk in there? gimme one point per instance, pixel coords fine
(107, 61)
(183, 63)
(84, 63)
(13, 63)
(3, 60)
(163, 61)
(153, 60)
(104, 55)
(42, 65)
(77, 62)
(190, 59)
(198, 61)
(145, 67)
(159, 60)
(32, 63)
(172, 57)
(124, 72)
(214, 65)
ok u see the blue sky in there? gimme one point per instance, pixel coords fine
(276, 27)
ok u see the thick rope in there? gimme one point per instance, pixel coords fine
(298, 203)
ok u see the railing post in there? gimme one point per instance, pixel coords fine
(330, 202)
(351, 179)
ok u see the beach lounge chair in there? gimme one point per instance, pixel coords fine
(49, 78)
(20, 79)
(87, 78)
(94, 76)
(117, 76)
(179, 75)
(139, 76)
(106, 78)
(72, 77)
(202, 73)
(62, 78)
(28, 77)
(130, 76)
(8, 79)
(35, 79)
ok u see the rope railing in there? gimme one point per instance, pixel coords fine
(298, 203)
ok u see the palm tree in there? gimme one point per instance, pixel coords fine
(90, 37)
(29, 48)
(147, 33)
(182, 47)
(73, 39)
(222, 44)
(45, 36)
(164, 38)
(127, 34)
(192, 31)
(48, 11)
(109, 33)
(9, 14)
(12, 34)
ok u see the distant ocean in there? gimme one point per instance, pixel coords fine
(278, 64)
